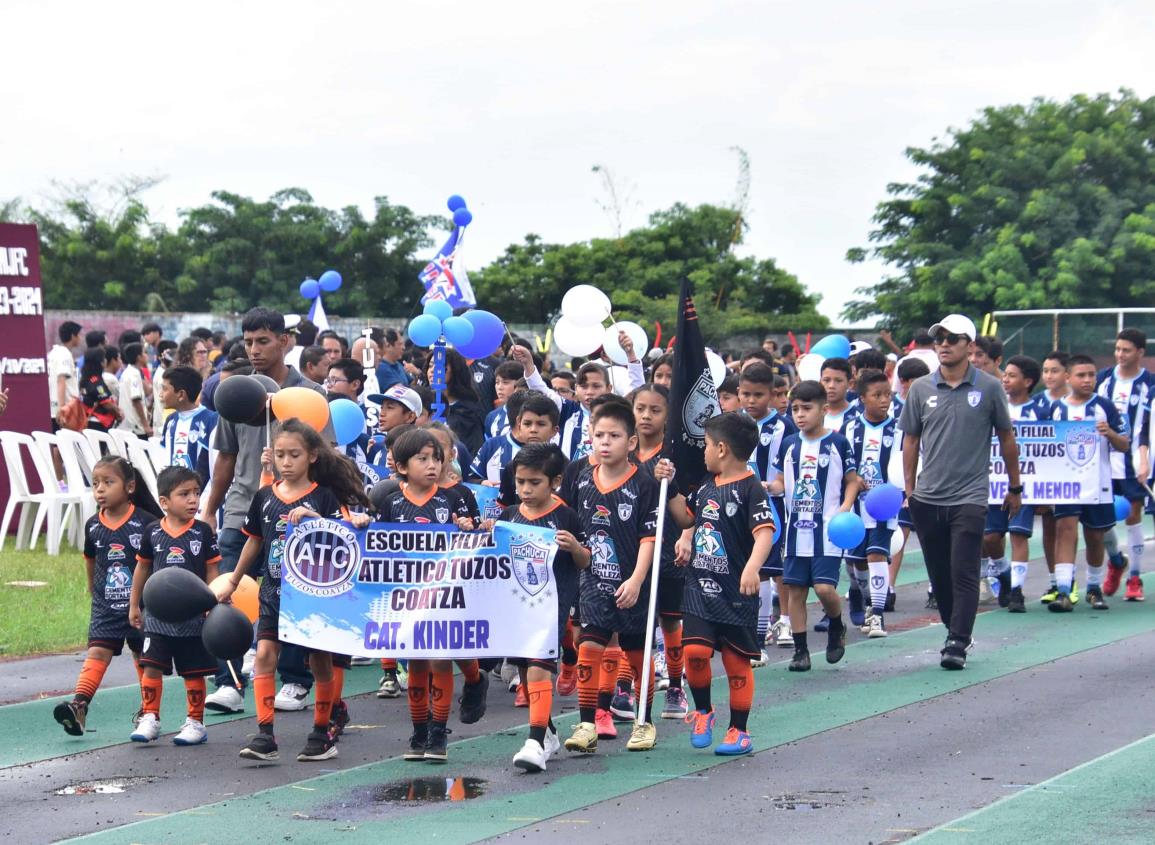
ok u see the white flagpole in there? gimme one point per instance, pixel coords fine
(655, 567)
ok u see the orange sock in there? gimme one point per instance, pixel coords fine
(611, 660)
(419, 691)
(338, 685)
(741, 677)
(675, 661)
(698, 673)
(441, 695)
(388, 664)
(150, 690)
(194, 692)
(625, 676)
(470, 671)
(322, 705)
(588, 678)
(91, 674)
(264, 691)
(540, 704)
(635, 658)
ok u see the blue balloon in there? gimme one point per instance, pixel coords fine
(310, 289)
(330, 281)
(884, 502)
(424, 329)
(458, 331)
(439, 308)
(456, 201)
(488, 331)
(348, 420)
(462, 217)
(832, 346)
(846, 530)
(1122, 509)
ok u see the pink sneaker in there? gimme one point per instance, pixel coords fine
(604, 722)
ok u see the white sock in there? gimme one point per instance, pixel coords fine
(1111, 541)
(1018, 573)
(1135, 541)
(1051, 575)
(879, 574)
(1064, 576)
(1094, 575)
(765, 606)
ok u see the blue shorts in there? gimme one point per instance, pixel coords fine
(876, 541)
(1092, 516)
(904, 520)
(808, 571)
(1000, 522)
(772, 568)
(1129, 488)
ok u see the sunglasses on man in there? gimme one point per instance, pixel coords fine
(948, 339)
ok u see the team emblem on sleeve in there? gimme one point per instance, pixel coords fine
(973, 398)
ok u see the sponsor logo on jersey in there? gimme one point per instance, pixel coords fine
(175, 555)
(711, 510)
(601, 515)
(710, 587)
(115, 551)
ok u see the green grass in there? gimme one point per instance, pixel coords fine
(36, 620)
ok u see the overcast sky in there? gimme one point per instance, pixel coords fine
(510, 104)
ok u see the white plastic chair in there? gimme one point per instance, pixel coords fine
(122, 437)
(141, 458)
(53, 508)
(101, 442)
(86, 454)
(74, 477)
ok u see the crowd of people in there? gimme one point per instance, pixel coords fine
(578, 449)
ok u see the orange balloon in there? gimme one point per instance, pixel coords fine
(246, 597)
(307, 405)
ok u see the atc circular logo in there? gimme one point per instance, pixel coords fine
(321, 557)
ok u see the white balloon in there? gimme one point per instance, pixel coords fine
(896, 542)
(575, 340)
(614, 349)
(810, 367)
(717, 367)
(585, 305)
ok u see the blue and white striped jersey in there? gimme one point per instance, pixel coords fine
(1097, 408)
(1132, 399)
(497, 422)
(874, 446)
(492, 457)
(814, 476)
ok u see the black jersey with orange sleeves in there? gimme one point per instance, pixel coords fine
(670, 532)
(468, 500)
(111, 548)
(559, 517)
(438, 507)
(617, 520)
(192, 546)
(727, 514)
(268, 520)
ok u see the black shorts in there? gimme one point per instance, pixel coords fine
(135, 642)
(602, 636)
(671, 588)
(188, 654)
(739, 638)
(540, 663)
(270, 612)
(599, 609)
(111, 629)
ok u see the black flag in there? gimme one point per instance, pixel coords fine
(693, 397)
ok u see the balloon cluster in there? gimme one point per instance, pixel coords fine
(247, 399)
(475, 334)
(462, 216)
(832, 346)
(175, 595)
(847, 531)
(581, 331)
(330, 282)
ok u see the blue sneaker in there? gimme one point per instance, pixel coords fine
(735, 744)
(702, 734)
(857, 608)
(823, 624)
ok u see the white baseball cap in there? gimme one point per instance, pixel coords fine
(955, 324)
(292, 322)
(401, 394)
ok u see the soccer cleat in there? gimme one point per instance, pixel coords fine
(71, 716)
(1004, 588)
(388, 686)
(1017, 604)
(1061, 604)
(643, 737)
(1113, 579)
(857, 607)
(605, 724)
(931, 601)
(531, 758)
(472, 700)
(1134, 589)
(192, 732)
(338, 719)
(437, 746)
(1095, 599)
(800, 662)
(147, 729)
(835, 645)
(567, 680)
(822, 625)
(225, 700)
(761, 660)
(623, 704)
(1074, 593)
(291, 697)
(319, 746)
(261, 747)
(1050, 595)
(890, 599)
(877, 627)
(137, 716)
(552, 743)
(954, 654)
(676, 705)
(585, 737)
(782, 633)
(417, 741)
(735, 744)
(702, 732)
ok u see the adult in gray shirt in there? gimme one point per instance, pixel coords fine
(948, 417)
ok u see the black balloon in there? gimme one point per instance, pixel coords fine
(240, 398)
(174, 595)
(381, 491)
(227, 633)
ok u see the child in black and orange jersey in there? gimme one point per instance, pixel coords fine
(111, 540)
(315, 482)
(417, 460)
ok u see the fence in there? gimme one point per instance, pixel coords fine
(1091, 331)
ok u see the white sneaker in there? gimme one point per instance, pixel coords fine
(192, 732)
(782, 633)
(225, 700)
(761, 660)
(402, 677)
(248, 663)
(531, 758)
(867, 623)
(147, 729)
(509, 675)
(291, 697)
(552, 743)
(877, 629)
(661, 672)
